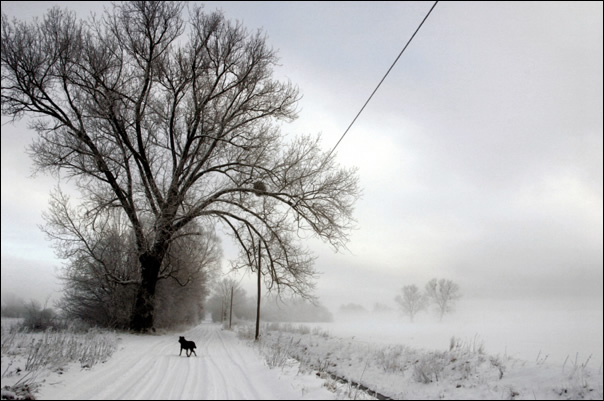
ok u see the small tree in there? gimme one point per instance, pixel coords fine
(412, 300)
(443, 294)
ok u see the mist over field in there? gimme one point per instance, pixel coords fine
(525, 329)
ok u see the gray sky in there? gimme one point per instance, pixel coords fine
(480, 156)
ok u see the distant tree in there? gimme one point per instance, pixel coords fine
(219, 303)
(352, 308)
(411, 301)
(191, 265)
(39, 318)
(276, 309)
(442, 293)
(175, 129)
(381, 308)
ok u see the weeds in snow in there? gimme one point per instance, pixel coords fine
(30, 353)
(392, 359)
(279, 355)
(541, 358)
(476, 346)
(497, 363)
(429, 368)
(54, 349)
(432, 374)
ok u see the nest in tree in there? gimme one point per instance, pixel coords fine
(259, 186)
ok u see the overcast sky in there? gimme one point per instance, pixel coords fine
(480, 157)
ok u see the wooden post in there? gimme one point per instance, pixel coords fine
(222, 311)
(231, 311)
(258, 306)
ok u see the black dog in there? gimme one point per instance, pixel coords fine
(186, 345)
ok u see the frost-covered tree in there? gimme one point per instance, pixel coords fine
(100, 274)
(173, 129)
(219, 304)
(411, 301)
(442, 293)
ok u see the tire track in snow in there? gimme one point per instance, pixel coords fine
(110, 377)
(237, 360)
(149, 367)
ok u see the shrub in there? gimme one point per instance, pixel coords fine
(38, 318)
(429, 368)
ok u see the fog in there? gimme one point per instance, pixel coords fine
(526, 330)
(480, 158)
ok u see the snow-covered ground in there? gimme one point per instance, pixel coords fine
(524, 329)
(504, 352)
(461, 370)
(149, 367)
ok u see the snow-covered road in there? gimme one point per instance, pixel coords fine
(149, 367)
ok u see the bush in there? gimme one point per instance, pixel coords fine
(429, 367)
(39, 319)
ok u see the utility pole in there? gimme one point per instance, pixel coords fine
(231, 312)
(258, 306)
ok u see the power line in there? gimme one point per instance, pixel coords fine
(383, 78)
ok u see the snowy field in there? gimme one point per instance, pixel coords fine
(528, 330)
(511, 350)
(507, 351)
(461, 371)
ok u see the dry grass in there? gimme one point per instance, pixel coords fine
(27, 355)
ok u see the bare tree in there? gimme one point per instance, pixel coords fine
(173, 130)
(100, 274)
(412, 300)
(192, 263)
(229, 297)
(443, 293)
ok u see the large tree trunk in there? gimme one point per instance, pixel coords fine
(142, 314)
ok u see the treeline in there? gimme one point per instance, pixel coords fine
(441, 294)
(35, 316)
(102, 277)
(272, 307)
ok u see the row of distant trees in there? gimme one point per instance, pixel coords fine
(230, 302)
(34, 315)
(440, 293)
(102, 277)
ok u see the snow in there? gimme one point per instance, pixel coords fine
(500, 350)
(521, 329)
(149, 367)
(461, 370)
